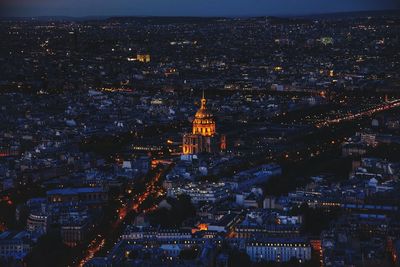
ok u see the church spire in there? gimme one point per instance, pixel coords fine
(203, 102)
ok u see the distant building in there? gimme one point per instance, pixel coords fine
(74, 230)
(132, 233)
(92, 196)
(203, 192)
(246, 179)
(353, 149)
(278, 249)
(145, 58)
(37, 222)
(369, 139)
(14, 245)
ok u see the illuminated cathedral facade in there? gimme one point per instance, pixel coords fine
(203, 138)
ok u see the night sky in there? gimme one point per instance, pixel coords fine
(187, 7)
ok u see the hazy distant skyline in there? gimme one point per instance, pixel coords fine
(80, 8)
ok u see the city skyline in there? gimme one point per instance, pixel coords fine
(262, 141)
(238, 8)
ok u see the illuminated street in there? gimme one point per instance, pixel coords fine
(136, 206)
(380, 108)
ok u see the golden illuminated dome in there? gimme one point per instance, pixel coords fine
(204, 123)
(203, 112)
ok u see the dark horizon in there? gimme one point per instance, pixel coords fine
(310, 15)
(179, 8)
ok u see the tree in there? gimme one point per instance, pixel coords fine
(316, 220)
(238, 259)
(50, 252)
(181, 209)
(189, 254)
